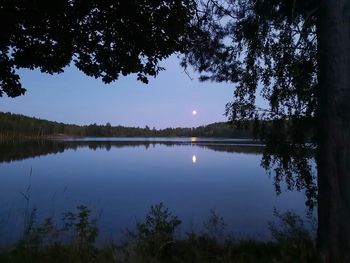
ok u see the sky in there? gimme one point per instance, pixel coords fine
(167, 101)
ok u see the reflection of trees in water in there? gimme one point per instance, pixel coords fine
(289, 156)
(287, 162)
(14, 151)
(295, 169)
(28, 149)
(230, 148)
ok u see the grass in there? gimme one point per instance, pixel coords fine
(155, 240)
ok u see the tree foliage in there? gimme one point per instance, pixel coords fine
(266, 49)
(103, 39)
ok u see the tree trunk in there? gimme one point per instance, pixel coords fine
(333, 159)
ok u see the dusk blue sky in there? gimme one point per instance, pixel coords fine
(167, 101)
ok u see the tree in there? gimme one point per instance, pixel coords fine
(103, 38)
(296, 55)
(157, 232)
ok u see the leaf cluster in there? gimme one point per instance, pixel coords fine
(267, 49)
(104, 39)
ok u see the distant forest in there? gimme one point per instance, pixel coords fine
(20, 126)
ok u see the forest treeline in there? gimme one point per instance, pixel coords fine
(20, 126)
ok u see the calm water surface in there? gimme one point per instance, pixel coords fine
(119, 179)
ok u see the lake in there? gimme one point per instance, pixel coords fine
(119, 179)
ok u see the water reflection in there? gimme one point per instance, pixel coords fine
(123, 178)
(13, 151)
(194, 159)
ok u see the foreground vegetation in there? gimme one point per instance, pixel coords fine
(157, 240)
(16, 125)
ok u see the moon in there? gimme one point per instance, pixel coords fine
(194, 112)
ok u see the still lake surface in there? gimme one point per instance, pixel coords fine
(119, 179)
